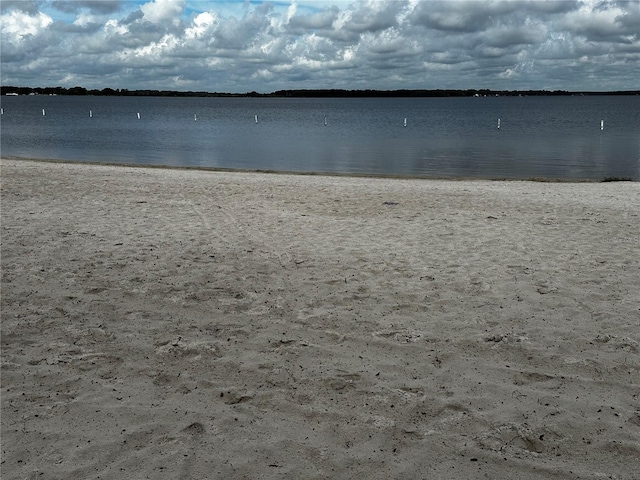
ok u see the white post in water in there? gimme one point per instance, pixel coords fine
(43, 114)
(498, 124)
(325, 121)
(255, 117)
(601, 124)
(1, 111)
(195, 117)
(90, 113)
(138, 115)
(405, 121)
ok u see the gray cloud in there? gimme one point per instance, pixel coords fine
(581, 45)
(367, 18)
(322, 20)
(95, 6)
(28, 6)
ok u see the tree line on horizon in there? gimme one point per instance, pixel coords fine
(302, 93)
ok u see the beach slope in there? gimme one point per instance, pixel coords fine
(168, 324)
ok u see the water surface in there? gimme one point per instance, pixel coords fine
(548, 137)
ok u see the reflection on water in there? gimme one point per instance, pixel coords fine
(553, 137)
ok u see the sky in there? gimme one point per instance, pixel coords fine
(243, 46)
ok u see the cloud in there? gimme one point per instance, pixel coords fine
(28, 6)
(618, 23)
(201, 27)
(385, 44)
(94, 6)
(20, 26)
(372, 16)
(241, 34)
(24, 37)
(322, 20)
(161, 11)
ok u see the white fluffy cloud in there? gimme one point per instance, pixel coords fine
(18, 26)
(24, 37)
(160, 11)
(380, 44)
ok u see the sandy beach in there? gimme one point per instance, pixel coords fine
(184, 324)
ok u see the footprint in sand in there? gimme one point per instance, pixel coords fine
(195, 428)
(342, 381)
(398, 336)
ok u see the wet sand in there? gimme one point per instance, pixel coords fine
(162, 323)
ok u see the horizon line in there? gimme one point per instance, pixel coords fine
(309, 92)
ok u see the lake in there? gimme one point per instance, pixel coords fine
(538, 137)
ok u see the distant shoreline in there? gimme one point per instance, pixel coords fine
(315, 173)
(303, 93)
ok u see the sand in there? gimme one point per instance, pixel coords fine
(181, 324)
